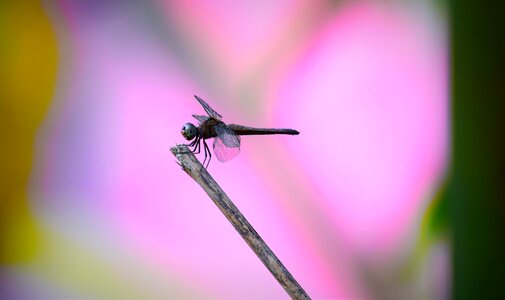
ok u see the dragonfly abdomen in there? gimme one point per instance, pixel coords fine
(245, 130)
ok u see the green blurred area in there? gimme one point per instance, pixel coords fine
(28, 59)
(476, 188)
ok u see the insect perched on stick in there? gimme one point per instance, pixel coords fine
(226, 136)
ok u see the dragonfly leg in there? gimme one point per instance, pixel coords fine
(208, 150)
(205, 151)
(196, 150)
(192, 143)
(195, 143)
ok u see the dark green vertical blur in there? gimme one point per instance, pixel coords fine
(477, 182)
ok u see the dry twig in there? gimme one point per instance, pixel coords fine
(194, 169)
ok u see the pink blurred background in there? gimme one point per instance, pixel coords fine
(342, 204)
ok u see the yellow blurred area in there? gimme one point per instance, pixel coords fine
(28, 58)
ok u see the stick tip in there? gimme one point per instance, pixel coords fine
(179, 148)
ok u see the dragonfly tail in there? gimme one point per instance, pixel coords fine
(245, 130)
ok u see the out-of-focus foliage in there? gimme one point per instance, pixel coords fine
(28, 61)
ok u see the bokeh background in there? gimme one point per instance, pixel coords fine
(94, 94)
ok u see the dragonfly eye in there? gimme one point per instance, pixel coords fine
(189, 131)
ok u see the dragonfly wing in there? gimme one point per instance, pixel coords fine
(208, 109)
(226, 143)
(200, 119)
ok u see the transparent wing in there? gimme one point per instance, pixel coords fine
(212, 113)
(226, 143)
(200, 119)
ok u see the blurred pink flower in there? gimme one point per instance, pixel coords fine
(366, 86)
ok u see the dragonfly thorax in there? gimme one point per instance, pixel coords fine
(189, 131)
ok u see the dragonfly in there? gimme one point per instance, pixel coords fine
(226, 143)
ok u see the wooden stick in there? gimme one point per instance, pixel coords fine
(194, 169)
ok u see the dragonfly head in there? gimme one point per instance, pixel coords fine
(189, 131)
